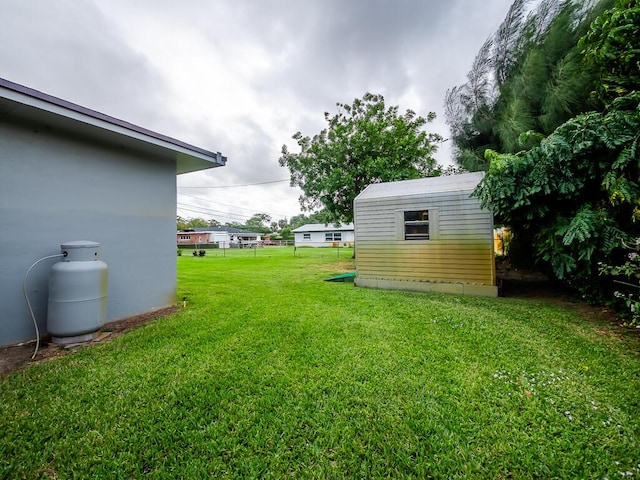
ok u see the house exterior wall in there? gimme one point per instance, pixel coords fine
(318, 239)
(193, 238)
(222, 238)
(457, 258)
(56, 187)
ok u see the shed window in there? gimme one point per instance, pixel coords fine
(306, 236)
(333, 237)
(416, 225)
(185, 237)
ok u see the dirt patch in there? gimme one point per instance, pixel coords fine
(522, 283)
(338, 267)
(18, 356)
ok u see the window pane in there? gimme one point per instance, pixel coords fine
(416, 225)
(416, 216)
(337, 237)
(328, 237)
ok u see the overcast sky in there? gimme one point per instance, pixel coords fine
(242, 76)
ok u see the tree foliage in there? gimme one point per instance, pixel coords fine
(575, 196)
(365, 142)
(609, 46)
(259, 222)
(529, 75)
(183, 223)
(321, 216)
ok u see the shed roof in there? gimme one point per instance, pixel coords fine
(321, 227)
(27, 104)
(445, 183)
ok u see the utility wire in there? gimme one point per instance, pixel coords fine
(242, 185)
(211, 210)
(212, 213)
(229, 205)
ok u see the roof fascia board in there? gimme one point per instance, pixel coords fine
(33, 98)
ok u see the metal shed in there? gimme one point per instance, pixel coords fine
(427, 235)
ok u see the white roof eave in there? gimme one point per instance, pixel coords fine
(30, 105)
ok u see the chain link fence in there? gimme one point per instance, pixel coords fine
(261, 248)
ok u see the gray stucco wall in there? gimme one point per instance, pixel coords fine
(57, 187)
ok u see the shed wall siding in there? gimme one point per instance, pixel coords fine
(460, 251)
(56, 188)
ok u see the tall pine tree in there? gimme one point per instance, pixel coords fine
(528, 76)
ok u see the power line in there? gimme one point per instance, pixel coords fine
(210, 212)
(229, 205)
(242, 185)
(220, 214)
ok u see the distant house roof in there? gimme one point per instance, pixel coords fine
(219, 230)
(445, 183)
(23, 103)
(321, 227)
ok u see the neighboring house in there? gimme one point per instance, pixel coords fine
(321, 235)
(426, 234)
(222, 237)
(68, 173)
(191, 238)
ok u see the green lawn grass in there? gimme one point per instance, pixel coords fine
(269, 372)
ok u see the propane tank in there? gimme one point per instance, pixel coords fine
(77, 293)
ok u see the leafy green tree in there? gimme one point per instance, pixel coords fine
(572, 198)
(298, 220)
(364, 143)
(286, 234)
(240, 226)
(181, 223)
(197, 222)
(609, 47)
(321, 216)
(575, 196)
(259, 222)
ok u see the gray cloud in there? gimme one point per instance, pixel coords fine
(68, 49)
(242, 77)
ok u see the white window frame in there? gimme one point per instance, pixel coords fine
(333, 236)
(433, 224)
